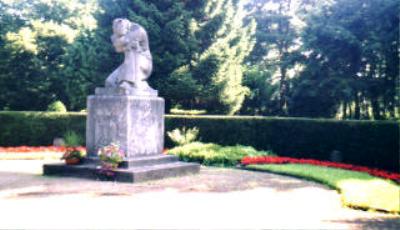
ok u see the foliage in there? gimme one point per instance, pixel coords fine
(352, 61)
(263, 98)
(72, 138)
(265, 57)
(221, 59)
(63, 51)
(74, 152)
(357, 189)
(35, 37)
(183, 136)
(57, 106)
(213, 154)
(277, 47)
(38, 128)
(368, 143)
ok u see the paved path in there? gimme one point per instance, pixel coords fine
(216, 198)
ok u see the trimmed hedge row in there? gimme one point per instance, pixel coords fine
(368, 143)
(38, 128)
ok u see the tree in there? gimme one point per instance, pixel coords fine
(35, 35)
(352, 60)
(225, 41)
(277, 47)
(263, 98)
(64, 51)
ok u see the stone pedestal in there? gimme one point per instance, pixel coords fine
(136, 123)
(134, 120)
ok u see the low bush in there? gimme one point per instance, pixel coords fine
(213, 154)
(72, 138)
(183, 136)
(57, 106)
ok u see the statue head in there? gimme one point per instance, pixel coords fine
(121, 28)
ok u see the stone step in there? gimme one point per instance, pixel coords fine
(148, 160)
(154, 172)
(139, 161)
(130, 175)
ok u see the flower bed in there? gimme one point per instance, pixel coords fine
(35, 149)
(289, 160)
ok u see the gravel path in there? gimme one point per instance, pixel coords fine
(216, 198)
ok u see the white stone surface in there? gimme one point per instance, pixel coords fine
(134, 122)
(132, 40)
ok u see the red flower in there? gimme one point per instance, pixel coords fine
(26, 149)
(285, 160)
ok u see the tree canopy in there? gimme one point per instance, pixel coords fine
(330, 58)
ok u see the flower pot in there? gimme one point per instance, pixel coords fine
(72, 161)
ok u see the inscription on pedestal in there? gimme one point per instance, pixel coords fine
(135, 123)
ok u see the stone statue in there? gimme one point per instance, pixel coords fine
(131, 39)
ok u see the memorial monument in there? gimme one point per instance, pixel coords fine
(129, 112)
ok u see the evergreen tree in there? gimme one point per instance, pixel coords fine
(353, 60)
(35, 35)
(277, 46)
(225, 42)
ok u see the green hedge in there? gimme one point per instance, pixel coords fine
(38, 128)
(369, 143)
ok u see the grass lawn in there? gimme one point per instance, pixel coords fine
(358, 189)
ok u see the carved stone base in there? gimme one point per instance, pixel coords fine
(118, 91)
(136, 123)
(131, 171)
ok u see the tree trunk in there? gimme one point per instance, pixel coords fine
(375, 108)
(357, 109)
(283, 93)
(344, 111)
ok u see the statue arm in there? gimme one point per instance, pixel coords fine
(112, 78)
(144, 40)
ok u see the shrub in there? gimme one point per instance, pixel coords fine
(213, 154)
(183, 136)
(38, 128)
(57, 106)
(368, 143)
(72, 138)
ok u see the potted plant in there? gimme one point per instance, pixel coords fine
(111, 156)
(74, 155)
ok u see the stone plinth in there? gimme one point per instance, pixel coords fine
(135, 122)
(130, 171)
(127, 112)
